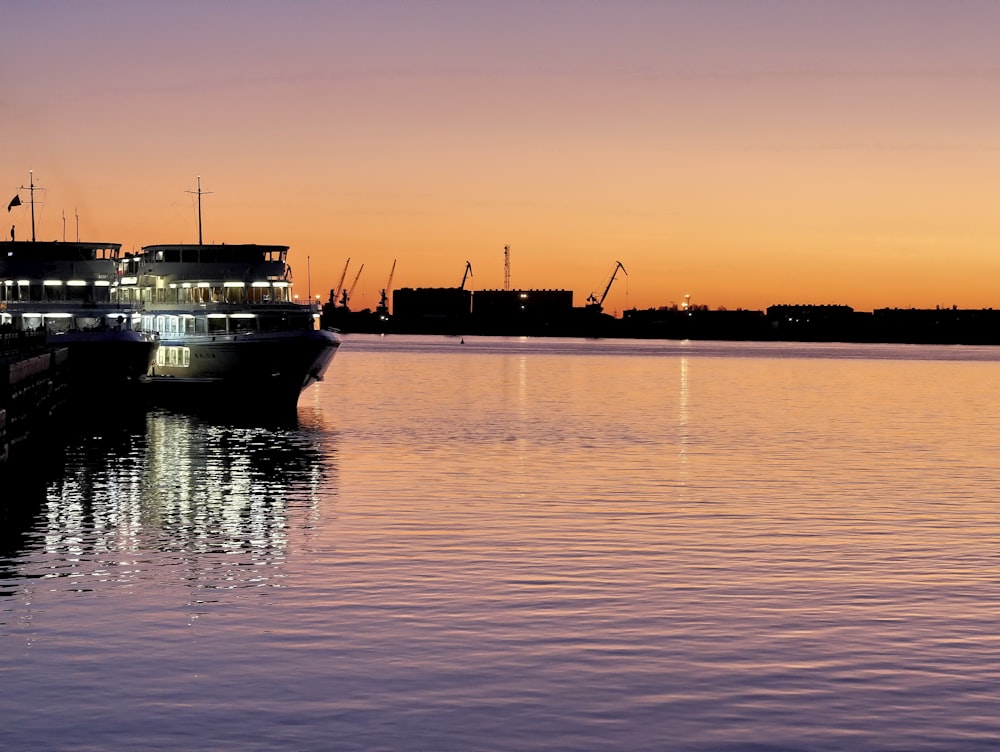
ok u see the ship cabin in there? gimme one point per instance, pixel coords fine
(214, 290)
(206, 274)
(60, 287)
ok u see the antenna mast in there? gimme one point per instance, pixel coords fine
(31, 188)
(31, 182)
(506, 268)
(199, 193)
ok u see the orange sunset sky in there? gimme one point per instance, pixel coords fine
(744, 152)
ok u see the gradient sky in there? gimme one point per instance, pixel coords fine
(743, 152)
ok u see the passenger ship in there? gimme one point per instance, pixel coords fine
(230, 331)
(68, 291)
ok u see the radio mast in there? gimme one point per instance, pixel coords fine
(200, 193)
(31, 200)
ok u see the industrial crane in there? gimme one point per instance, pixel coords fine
(468, 273)
(383, 302)
(345, 295)
(334, 294)
(598, 305)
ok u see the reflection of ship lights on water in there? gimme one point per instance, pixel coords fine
(223, 499)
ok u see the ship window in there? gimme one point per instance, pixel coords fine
(167, 324)
(244, 325)
(216, 325)
(275, 324)
(58, 326)
(177, 357)
(260, 292)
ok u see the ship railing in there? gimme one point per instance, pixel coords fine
(52, 306)
(13, 343)
(223, 306)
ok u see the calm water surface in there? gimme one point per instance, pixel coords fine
(527, 545)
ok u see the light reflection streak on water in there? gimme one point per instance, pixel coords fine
(214, 496)
(683, 410)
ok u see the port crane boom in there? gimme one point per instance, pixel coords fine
(346, 294)
(468, 273)
(592, 301)
(383, 302)
(334, 294)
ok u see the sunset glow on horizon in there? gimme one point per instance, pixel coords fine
(745, 153)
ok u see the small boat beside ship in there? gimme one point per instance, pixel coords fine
(231, 332)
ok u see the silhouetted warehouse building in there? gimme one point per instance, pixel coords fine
(521, 311)
(958, 326)
(431, 309)
(696, 323)
(819, 323)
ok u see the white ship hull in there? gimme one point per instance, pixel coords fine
(268, 371)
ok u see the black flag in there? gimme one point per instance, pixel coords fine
(16, 201)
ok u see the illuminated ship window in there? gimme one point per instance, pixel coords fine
(172, 356)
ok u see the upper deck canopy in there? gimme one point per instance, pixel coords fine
(240, 253)
(46, 250)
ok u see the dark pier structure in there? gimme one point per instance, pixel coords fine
(33, 389)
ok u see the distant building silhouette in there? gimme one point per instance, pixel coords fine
(456, 310)
(431, 310)
(529, 312)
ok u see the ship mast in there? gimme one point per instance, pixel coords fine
(31, 193)
(199, 193)
(31, 200)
